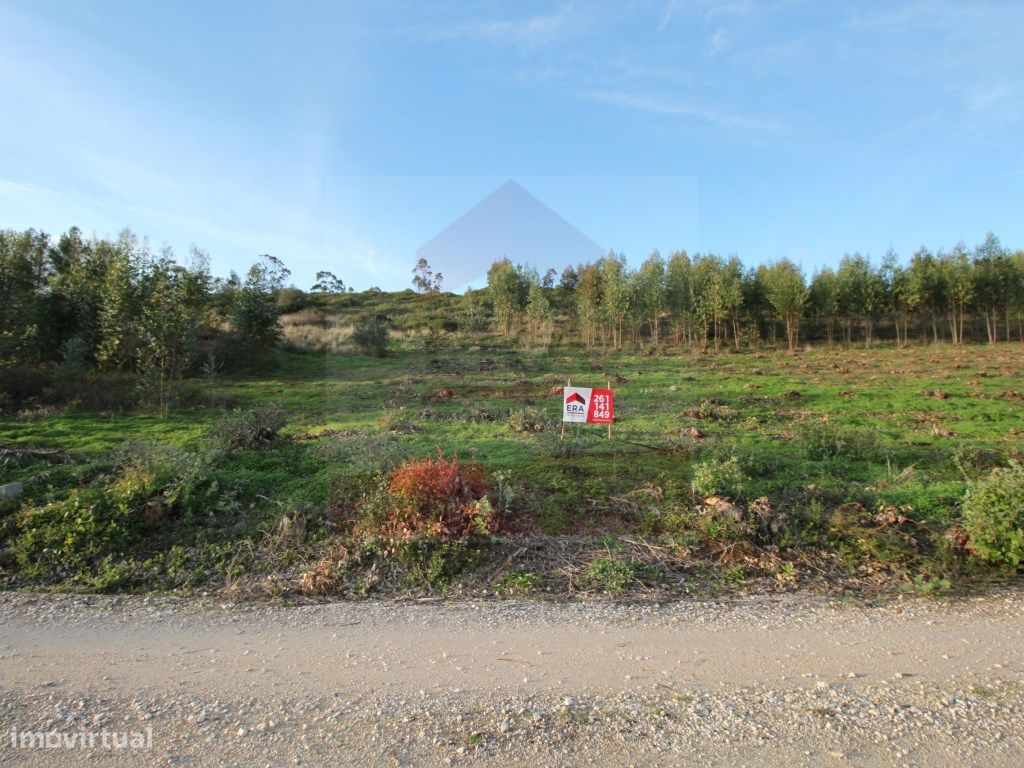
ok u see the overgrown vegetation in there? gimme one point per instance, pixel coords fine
(994, 515)
(159, 451)
(371, 336)
(109, 324)
(332, 484)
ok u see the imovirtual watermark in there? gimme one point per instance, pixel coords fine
(103, 739)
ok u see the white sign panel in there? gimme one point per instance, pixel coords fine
(575, 401)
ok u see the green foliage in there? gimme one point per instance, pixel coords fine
(610, 574)
(993, 512)
(823, 440)
(253, 428)
(292, 299)
(718, 477)
(217, 507)
(433, 564)
(526, 420)
(735, 576)
(22, 384)
(505, 289)
(931, 586)
(393, 420)
(371, 336)
(518, 583)
(366, 452)
(91, 523)
(254, 312)
(786, 291)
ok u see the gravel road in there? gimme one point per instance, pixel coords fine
(796, 681)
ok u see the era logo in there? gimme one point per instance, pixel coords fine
(575, 403)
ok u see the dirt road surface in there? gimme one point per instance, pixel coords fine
(795, 681)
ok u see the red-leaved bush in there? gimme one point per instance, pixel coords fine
(440, 496)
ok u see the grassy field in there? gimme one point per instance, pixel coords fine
(849, 467)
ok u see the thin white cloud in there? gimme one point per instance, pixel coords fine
(667, 14)
(670, 106)
(989, 97)
(530, 32)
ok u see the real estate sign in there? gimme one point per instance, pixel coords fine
(588, 405)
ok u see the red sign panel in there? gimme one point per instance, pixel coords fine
(602, 407)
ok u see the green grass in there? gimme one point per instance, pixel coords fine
(771, 411)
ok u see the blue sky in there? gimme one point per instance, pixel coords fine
(346, 135)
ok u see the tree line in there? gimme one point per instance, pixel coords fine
(705, 300)
(73, 308)
(77, 312)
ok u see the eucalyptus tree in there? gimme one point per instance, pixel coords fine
(679, 295)
(786, 291)
(20, 306)
(168, 326)
(538, 306)
(823, 300)
(710, 294)
(994, 284)
(588, 302)
(254, 313)
(327, 282)
(652, 294)
(926, 289)
(503, 288)
(614, 295)
(862, 293)
(897, 278)
(732, 295)
(1017, 300)
(958, 277)
(121, 303)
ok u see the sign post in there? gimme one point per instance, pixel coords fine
(588, 405)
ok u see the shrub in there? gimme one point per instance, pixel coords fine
(292, 300)
(518, 583)
(96, 390)
(716, 477)
(928, 587)
(393, 420)
(20, 384)
(526, 420)
(610, 574)
(821, 440)
(71, 535)
(249, 429)
(993, 512)
(440, 496)
(366, 452)
(323, 577)
(372, 336)
(433, 564)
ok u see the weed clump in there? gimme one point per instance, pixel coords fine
(718, 477)
(993, 512)
(255, 428)
(821, 440)
(610, 574)
(526, 420)
(393, 420)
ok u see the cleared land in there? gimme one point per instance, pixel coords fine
(861, 459)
